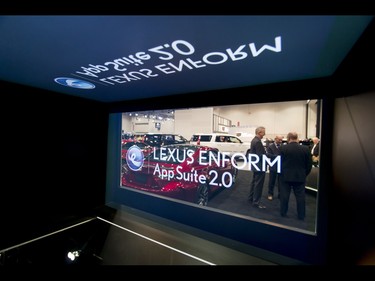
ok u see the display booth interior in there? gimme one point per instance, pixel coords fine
(162, 140)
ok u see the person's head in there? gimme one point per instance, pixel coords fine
(260, 131)
(222, 138)
(315, 140)
(292, 137)
(279, 139)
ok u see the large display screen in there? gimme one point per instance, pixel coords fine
(201, 157)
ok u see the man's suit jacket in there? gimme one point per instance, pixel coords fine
(315, 152)
(256, 147)
(272, 152)
(296, 162)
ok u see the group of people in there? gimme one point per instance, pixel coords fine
(296, 165)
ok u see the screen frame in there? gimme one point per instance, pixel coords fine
(306, 247)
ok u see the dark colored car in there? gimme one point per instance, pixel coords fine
(130, 137)
(155, 139)
(187, 172)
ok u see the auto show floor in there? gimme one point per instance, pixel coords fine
(234, 200)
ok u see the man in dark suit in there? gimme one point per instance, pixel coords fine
(256, 187)
(273, 150)
(296, 164)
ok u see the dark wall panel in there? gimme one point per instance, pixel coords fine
(352, 200)
(53, 160)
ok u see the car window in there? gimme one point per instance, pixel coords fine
(153, 140)
(206, 138)
(194, 138)
(168, 137)
(221, 139)
(234, 139)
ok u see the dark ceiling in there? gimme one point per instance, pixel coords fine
(121, 58)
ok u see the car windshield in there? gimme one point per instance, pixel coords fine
(181, 139)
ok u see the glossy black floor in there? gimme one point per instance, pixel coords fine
(131, 237)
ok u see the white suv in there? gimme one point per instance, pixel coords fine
(223, 142)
